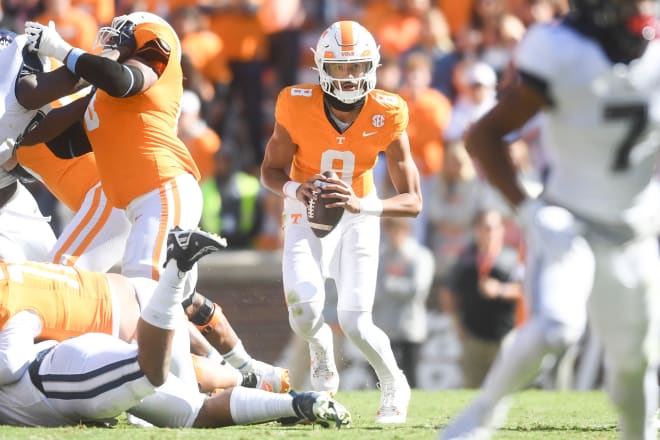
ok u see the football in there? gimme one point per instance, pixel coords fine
(322, 219)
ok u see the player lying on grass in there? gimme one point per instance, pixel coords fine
(69, 302)
(97, 376)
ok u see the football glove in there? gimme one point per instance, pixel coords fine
(46, 41)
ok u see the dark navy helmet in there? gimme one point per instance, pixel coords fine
(622, 26)
(6, 38)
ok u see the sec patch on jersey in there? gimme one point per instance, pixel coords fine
(322, 219)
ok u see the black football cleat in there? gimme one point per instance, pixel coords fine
(189, 246)
(320, 408)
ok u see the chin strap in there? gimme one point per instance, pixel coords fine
(342, 106)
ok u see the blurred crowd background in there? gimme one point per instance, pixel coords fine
(442, 273)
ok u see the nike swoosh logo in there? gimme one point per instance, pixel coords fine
(368, 133)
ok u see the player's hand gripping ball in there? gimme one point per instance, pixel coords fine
(322, 219)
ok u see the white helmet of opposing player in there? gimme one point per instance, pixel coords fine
(347, 42)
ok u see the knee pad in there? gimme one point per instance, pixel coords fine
(306, 318)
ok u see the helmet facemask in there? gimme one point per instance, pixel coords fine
(110, 37)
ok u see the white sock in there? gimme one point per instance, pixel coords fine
(248, 406)
(239, 377)
(238, 357)
(215, 356)
(164, 307)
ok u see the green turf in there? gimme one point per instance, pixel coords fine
(534, 415)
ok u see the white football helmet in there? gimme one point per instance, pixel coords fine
(347, 42)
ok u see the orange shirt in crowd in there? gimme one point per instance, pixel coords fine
(429, 116)
(76, 27)
(241, 34)
(206, 52)
(394, 31)
(102, 10)
(203, 147)
(456, 12)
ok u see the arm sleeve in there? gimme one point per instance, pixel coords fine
(17, 345)
(116, 79)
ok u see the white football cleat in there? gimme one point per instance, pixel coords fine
(394, 400)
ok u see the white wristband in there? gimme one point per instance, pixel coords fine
(371, 206)
(290, 188)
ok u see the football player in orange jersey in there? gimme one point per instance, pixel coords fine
(341, 125)
(145, 169)
(95, 377)
(99, 228)
(130, 121)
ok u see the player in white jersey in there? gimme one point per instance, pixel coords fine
(591, 235)
(95, 377)
(24, 231)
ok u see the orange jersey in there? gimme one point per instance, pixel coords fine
(68, 179)
(352, 154)
(134, 139)
(69, 301)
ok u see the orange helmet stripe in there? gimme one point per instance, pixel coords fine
(347, 38)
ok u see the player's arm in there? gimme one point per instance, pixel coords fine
(485, 139)
(129, 78)
(36, 88)
(138, 70)
(405, 178)
(17, 345)
(277, 161)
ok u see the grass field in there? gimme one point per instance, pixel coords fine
(534, 415)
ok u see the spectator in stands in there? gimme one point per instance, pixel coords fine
(202, 142)
(476, 83)
(75, 25)
(246, 50)
(457, 12)
(395, 24)
(458, 195)
(231, 202)
(430, 112)
(282, 22)
(103, 11)
(405, 275)
(205, 64)
(485, 286)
